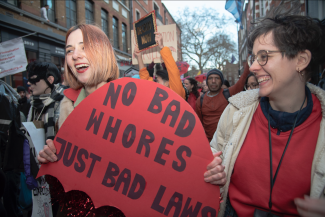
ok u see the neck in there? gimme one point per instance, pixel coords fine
(90, 89)
(290, 102)
(211, 93)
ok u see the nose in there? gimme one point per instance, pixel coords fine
(255, 67)
(76, 53)
(249, 88)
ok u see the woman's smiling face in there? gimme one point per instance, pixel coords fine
(278, 74)
(76, 57)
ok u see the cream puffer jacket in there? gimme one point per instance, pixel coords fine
(233, 127)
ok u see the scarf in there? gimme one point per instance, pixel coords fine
(45, 104)
(283, 121)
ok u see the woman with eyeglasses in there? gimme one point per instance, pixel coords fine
(251, 82)
(269, 146)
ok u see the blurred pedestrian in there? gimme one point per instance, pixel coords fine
(44, 12)
(24, 103)
(251, 82)
(225, 84)
(210, 106)
(191, 86)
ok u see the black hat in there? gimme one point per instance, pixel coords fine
(21, 88)
(216, 72)
(43, 70)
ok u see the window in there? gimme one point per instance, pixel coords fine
(104, 16)
(89, 12)
(145, 1)
(124, 2)
(13, 2)
(70, 8)
(115, 32)
(262, 12)
(51, 10)
(138, 16)
(124, 37)
(316, 9)
(156, 8)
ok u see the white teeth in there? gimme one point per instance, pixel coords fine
(81, 65)
(260, 80)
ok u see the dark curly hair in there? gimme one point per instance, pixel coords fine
(194, 89)
(292, 34)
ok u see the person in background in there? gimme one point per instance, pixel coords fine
(210, 106)
(225, 84)
(251, 82)
(44, 12)
(90, 64)
(205, 87)
(24, 103)
(170, 77)
(270, 142)
(191, 86)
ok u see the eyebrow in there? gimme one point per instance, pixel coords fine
(71, 45)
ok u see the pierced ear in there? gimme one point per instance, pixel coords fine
(304, 58)
(50, 79)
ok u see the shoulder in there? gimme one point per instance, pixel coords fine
(72, 94)
(66, 107)
(320, 94)
(244, 98)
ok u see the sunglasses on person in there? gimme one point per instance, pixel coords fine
(261, 57)
(34, 80)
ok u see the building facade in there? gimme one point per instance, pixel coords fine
(254, 9)
(47, 42)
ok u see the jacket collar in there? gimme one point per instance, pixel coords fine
(72, 94)
(247, 98)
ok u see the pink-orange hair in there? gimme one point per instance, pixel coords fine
(99, 53)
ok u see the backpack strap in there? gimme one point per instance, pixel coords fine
(201, 101)
(226, 93)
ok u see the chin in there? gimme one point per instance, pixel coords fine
(264, 92)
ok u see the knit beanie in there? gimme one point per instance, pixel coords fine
(21, 88)
(216, 72)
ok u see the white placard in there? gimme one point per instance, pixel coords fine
(37, 136)
(169, 39)
(12, 57)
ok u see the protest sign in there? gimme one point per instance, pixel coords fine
(138, 146)
(145, 29)
(169, 35)
(41, 196)
(12, 57)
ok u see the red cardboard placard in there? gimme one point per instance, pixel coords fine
(138, 146)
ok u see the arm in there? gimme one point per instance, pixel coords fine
(44, 14)
(175, 82)
(239, 86)
(143, 73)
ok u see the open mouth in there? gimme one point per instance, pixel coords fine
(263, 79)
(81, 68)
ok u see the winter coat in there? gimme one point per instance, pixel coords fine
(232, 130)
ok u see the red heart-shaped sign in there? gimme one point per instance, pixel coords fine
(138, 146)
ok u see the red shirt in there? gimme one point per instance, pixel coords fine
(192, 100)
(250, 182)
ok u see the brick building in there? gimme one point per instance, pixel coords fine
(19, 18)
(255, 9)
(163, 17)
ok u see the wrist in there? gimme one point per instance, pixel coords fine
(161, 46)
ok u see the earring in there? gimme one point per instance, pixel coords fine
(302, 74)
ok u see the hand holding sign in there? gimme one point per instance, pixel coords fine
(47, 154)
(159, 40)
(138, 146)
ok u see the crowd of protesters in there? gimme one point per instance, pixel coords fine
(266, 132)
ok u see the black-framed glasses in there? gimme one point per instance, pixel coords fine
(252, 86)
(261, 57)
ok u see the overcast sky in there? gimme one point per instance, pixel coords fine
(218, 5)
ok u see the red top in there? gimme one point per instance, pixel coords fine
(212, 107)
(250, 182)
(192, 100)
